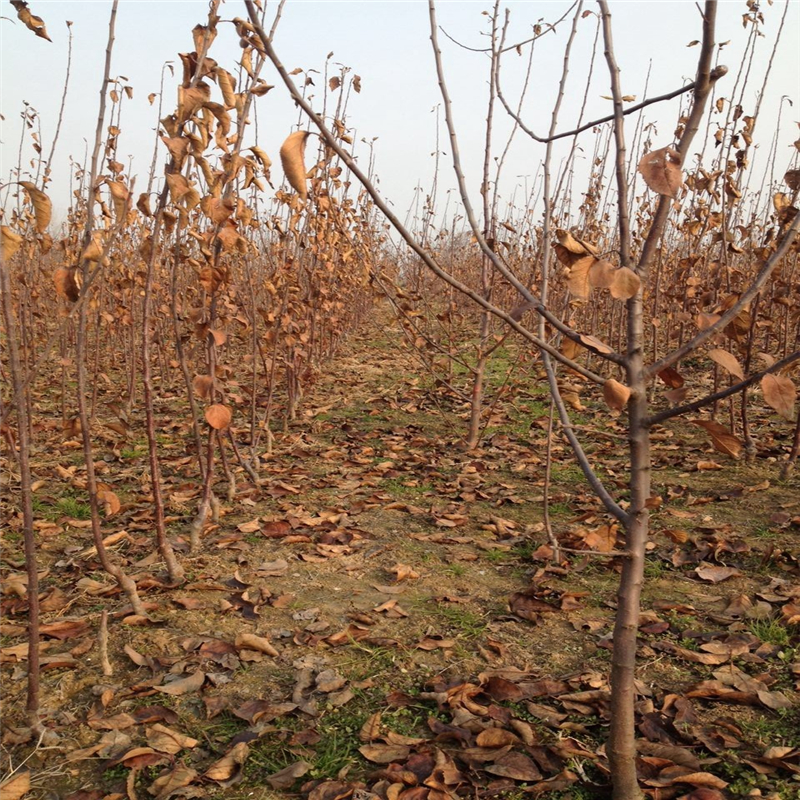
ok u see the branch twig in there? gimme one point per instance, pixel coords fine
(661, 416)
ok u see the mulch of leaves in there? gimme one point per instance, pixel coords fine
(379, 617)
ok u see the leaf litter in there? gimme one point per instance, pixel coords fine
(381, 619)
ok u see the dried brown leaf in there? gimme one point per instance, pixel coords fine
(384, 753)
(30, 21)
(625, 284)
(42, 207)
(229, 765)
(292, 155)
(716, 574)
(661, 170)
(218, 416)
(16, 787)
(727, 361)
(722, 439)
(11, 242)
(616, 394)
(780, 393)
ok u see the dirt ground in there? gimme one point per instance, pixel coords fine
(380, 565)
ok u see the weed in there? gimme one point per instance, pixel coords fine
(410, 720)
(271, 753)
(456, 570)
(770, 631)
(566, 474)
(768, 731)
(220, 730)
(679, 622)
(524, 550)
(560, 510)
(369, 660)
(467, 623)
(406, 488)
(496, 556)
(73, 508)
(654, 568)
(115, 774)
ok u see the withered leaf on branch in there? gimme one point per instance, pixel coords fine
(625, 284)
(202, 385)
(218, 416)
(671, 377)
(227, 85)
(30, 21)
(727, 361)
(578, 278)
(11, 242)
(263, 158)
(601, 274)
(292, 154)
(792, 178)
(573, 245)
(66, 287)
(661, 170)
(779, 393)
(722, 439)
(616, 394)
(42, 207)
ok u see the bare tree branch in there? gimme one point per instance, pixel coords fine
(661, 416)
(534, 302)
(402, 230)
(703, 84)
(718, 73)
(550, 27)
(769, 267)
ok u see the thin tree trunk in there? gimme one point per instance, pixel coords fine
(26, 495)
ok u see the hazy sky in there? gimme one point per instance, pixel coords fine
(387, 44)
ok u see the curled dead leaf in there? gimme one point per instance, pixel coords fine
(292, 155)
(66, 286)
(616, 394)
(30, 21)
(252, 642)
(42, 207)
(229, 765)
